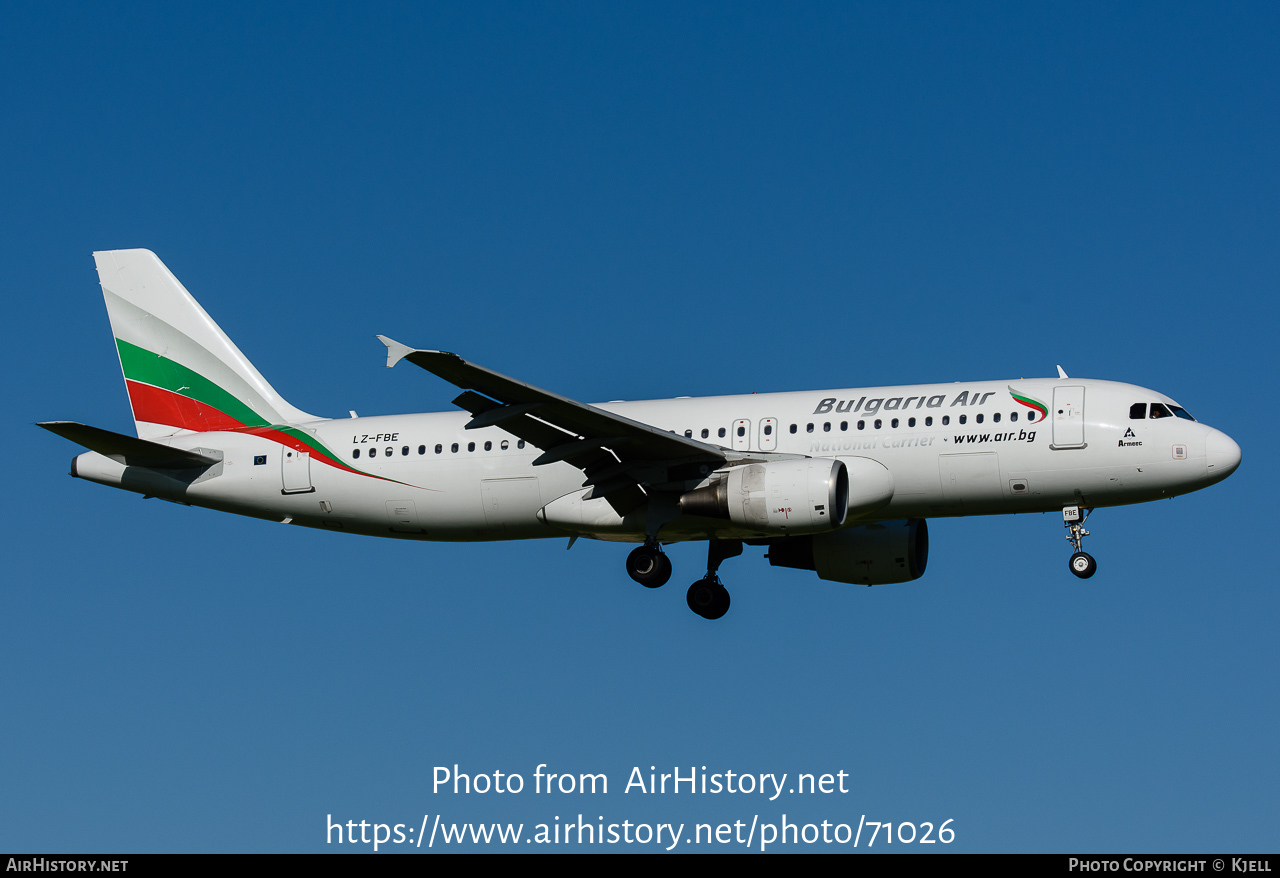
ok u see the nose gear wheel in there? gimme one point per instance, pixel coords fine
(1081, 563)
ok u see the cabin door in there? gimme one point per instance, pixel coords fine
(1068, 417)
(295, 472)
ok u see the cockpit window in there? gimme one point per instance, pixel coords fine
(1158, 410)
(1138, 411)
(1181, 412)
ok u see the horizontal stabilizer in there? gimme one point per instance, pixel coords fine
(128, 450)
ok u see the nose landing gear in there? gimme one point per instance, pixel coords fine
(708, 597)
(1081, 563)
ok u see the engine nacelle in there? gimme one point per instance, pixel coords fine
(805, 495)
(879, 553)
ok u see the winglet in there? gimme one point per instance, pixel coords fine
(395, 351)
(1061, 374)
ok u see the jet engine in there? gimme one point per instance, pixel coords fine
(879, 553)
(805, 495)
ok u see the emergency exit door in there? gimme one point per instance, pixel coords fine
(768, 434)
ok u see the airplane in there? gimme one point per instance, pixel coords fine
(839, 482)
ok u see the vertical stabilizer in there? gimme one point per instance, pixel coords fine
(181, 370)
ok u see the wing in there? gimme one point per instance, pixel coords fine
(618, 455)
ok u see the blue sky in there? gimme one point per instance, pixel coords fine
(635, 201)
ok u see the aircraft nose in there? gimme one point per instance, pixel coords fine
(1222, 455)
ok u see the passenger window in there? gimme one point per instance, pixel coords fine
(826, 427)
(1159, 411)
(422, 449)
(844, 426)
(946, 419)
(768, 430)
(356, 454)
(488, 446)
(1138, 411)
(705, 432)
(688, 434)
(471, 446)
(1013, 416)
(505, 445)
(996, 417)
(793, 429)
(454, 448)
(742, 431)
(404, 452)
(964, 418)
(1031, 416)
(879, 423)
(439, 448)
(808, 428)
(894, 423)
(928, 422)
(862, 425)
(978, 419)
(373, 452)
(720, 432)
(911, 422)
(520, 444)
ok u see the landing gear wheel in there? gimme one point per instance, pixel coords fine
(708, 598)
(1083, 565)
(648, 566)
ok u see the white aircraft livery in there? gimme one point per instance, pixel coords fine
(839, 482)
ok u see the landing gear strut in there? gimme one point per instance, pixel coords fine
(648, 566)
(1081, 563)
(708, 597)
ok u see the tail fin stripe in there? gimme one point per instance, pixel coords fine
(156, 337)
(143, 367)
(158, 406)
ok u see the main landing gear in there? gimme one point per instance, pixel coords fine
(649, 566)
(1081, 563)
(708, 597)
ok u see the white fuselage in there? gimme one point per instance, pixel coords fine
(972, 450)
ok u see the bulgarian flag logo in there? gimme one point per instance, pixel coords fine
(1030, 403)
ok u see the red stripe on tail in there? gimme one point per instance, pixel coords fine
(158, 406)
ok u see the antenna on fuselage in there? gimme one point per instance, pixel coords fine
(1061, 374)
